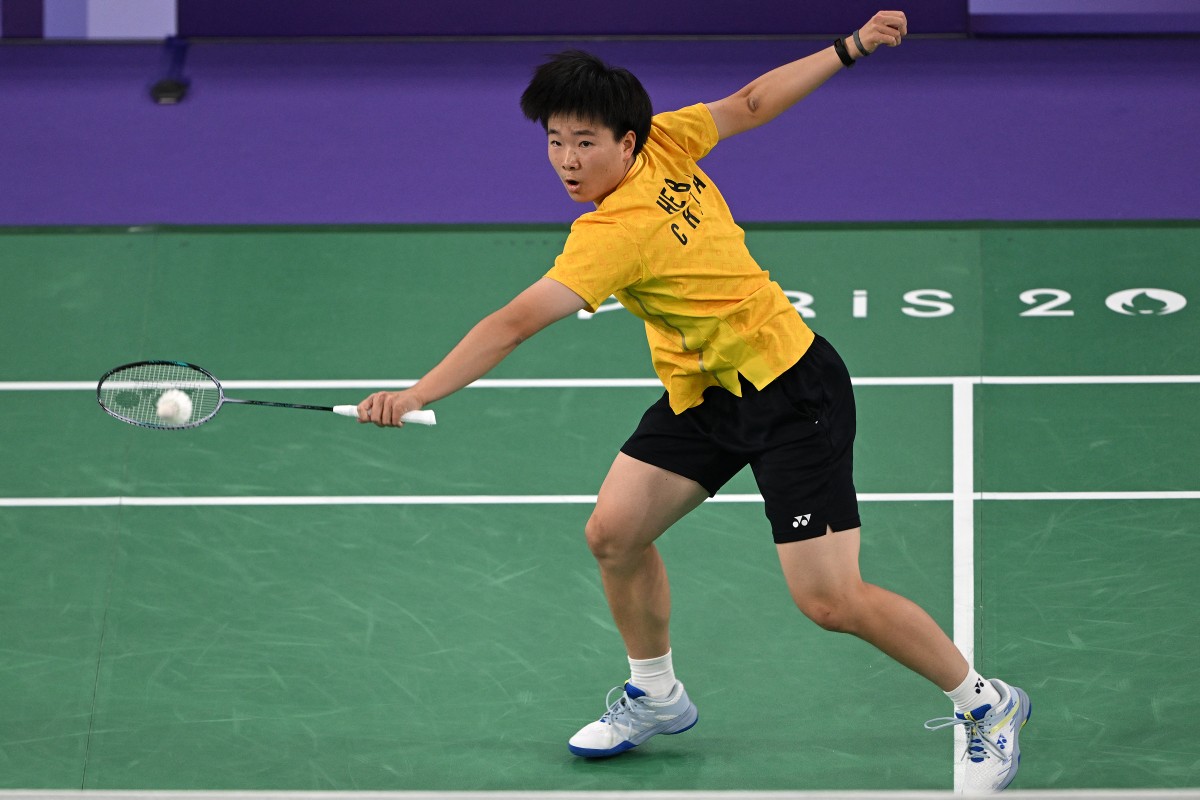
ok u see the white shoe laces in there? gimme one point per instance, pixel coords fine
(617, 711)
(976, 740)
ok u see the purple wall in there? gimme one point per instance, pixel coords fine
(20, 19)
(1089, 17)
(429, 132)
(81, 19)
(473, 17)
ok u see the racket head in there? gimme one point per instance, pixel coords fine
(131, 393)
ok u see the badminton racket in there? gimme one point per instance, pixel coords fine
(173, 395)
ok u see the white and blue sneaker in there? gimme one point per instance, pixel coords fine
(992, 755)
(633, 719)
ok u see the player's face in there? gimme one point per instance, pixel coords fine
(587, 157)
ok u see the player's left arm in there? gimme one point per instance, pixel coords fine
(769, 95)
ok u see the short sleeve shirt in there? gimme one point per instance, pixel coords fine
(665, 244)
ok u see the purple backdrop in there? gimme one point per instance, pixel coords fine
(391, 18)
(429, 132)
(21, 18)
(473, 17)
(1008, 17)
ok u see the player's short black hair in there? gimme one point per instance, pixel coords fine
(578, 84)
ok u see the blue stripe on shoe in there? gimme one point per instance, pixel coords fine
(689, 726)
(587, 752)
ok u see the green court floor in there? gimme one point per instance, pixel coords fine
(288, 600)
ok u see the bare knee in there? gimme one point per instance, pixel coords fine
(836, 613)
(609, 543)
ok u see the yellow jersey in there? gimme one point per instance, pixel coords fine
(665, 244)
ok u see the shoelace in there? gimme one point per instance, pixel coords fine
(618, 709)
(976, 741)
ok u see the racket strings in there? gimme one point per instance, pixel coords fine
(132, 393)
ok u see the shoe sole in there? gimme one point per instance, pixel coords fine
(689, 718)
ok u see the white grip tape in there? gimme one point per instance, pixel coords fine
(422, 417)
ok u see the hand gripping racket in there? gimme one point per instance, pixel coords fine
(172, 395)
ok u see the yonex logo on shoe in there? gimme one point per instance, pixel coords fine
(801, 520)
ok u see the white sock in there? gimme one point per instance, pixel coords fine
(974, 692)
(654, 676)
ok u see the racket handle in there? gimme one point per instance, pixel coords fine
(422, 417)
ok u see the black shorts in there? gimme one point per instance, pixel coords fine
(797, 435)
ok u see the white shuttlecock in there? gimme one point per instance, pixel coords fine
(174, 407)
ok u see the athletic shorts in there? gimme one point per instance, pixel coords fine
(797, 435)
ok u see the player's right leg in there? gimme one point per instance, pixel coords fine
(636, 504)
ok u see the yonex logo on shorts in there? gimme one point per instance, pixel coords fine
(802, 520)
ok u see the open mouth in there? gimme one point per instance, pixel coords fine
(571, 184)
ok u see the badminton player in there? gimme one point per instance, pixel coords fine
(747, 383)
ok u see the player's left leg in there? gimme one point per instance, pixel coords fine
(806, 477)
(823, 577)
(824, 580)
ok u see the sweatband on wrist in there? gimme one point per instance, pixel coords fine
(858, 43)
(840, 48)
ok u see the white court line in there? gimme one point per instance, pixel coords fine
(391, 500)
(964, 497)
(1041, 380)
(130, 501)
(902, 794)
(622, 383)
(1086, 496)
(963, 547)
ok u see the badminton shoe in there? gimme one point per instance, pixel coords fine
(992, 755)
(633, 719)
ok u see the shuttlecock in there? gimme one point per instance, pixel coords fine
(174, 407)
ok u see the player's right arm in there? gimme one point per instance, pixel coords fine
(484, 346)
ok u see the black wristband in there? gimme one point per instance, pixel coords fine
(840, 48)
(858, 43)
